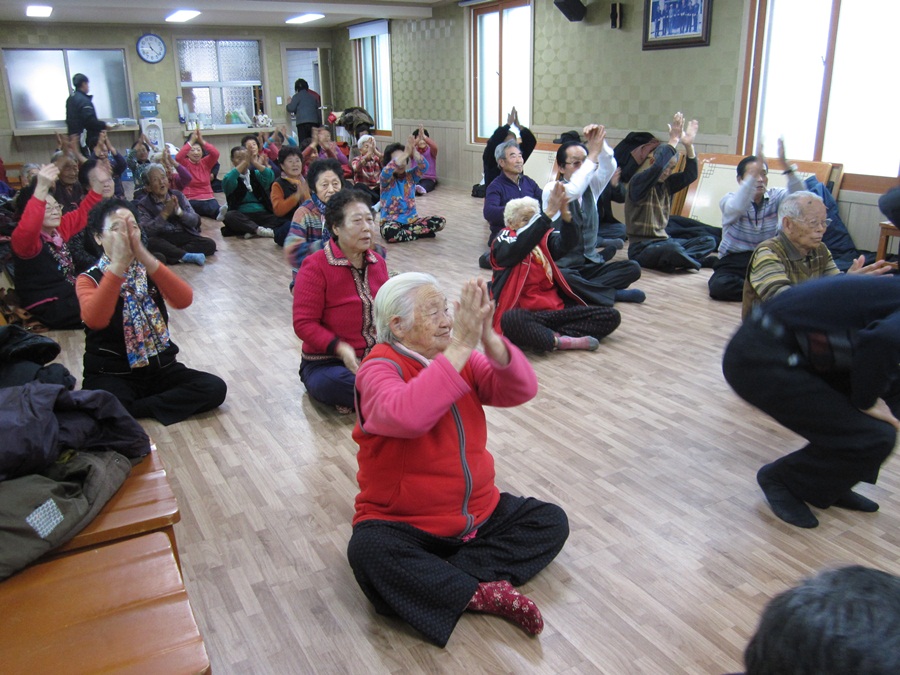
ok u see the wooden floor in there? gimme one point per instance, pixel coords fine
(672, 552)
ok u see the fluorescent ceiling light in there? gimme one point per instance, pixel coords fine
(42, 11)
(182, 15)
(306, 18)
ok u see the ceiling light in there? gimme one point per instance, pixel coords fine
(42, 11)
(306, 18)
(182, 15)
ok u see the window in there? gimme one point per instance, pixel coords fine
(820, 87)
(221, 81)
(44, 105)
(501, 39)
(372, 60)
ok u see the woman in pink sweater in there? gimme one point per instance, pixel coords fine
(199, 191)
(433, 537)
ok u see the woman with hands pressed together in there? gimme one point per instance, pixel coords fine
(403, 169)
(128, 350)
(433, 537)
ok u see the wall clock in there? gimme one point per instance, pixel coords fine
(151, 48)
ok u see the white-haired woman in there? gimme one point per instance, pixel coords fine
(536, 308)
(432, 535)
(171, 225)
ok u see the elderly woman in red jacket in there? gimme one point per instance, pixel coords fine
(536, 307)
(333, 300)
(433, 537)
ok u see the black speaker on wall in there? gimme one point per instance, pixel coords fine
(615, 15)
(572, 9)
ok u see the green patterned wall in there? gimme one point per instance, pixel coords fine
(162, 77)
(587, 71)
(342, 61)
(428, 76)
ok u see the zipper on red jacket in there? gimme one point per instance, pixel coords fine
(467, 475)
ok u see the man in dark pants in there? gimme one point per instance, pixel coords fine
(822, 359)
(81, 115)
(305, 106)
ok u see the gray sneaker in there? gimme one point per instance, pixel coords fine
(265, 232)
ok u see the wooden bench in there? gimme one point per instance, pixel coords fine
(145, 503)
(119, 608)
(886, 230)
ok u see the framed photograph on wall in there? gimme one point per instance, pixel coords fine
(676, 23)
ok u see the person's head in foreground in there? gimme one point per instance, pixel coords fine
(839, 622)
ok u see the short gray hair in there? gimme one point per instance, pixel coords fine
(516, 208)
(792, 205)
(397, 297)
(156, 167)
(500, 152)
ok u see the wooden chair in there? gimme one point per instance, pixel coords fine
(120, 608)
(887, 230)
(145, 503)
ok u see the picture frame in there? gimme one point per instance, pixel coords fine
(670, 24)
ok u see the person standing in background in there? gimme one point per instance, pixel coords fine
(305, 107)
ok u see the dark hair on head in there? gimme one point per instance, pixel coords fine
(334, 210)
(237, 148)
(840, 621)
(319, 167)
(79, 79)
(84, 170)
(416, 133)
(390, 150)
(288, 150)
(563, 149)
(250, 137)
(362, 128)
(742, 165)
(97, 216)
(140, 142)
(300, 84)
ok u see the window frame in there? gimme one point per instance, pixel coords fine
(477, 11)
(754, 53)
(258, 88)
(46, 126)
(369, 43)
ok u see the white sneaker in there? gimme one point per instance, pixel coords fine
(265, 232)
(222, 211)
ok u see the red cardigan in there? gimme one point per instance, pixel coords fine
(422, 437)
(329, 305)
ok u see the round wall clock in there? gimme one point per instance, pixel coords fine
(151, 48)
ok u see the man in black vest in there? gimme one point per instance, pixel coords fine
(81, 115)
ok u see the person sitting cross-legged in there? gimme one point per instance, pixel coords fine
(536, 307)
(127, 347)
(433, 536)
(585, 171)
(403, 168)
(648, 204)
(247, 188)
(749, 217)
(171, 226)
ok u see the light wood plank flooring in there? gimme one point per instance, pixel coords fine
(672, 552)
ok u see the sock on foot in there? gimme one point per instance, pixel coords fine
(631, 295)
(502, 599)
(196, 258)
(222, 211)
(265, 232)
(586, 343)
(785, 505)
(854, 501)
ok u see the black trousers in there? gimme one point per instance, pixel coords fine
(727, 280)
(173, 245)
(597, 284)
(238, 223)
(845, 446)
(169, 393)
(536, 330)
(670, 255)
(428, 581)
(59, 314)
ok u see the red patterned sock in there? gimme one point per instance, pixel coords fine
(502, 599)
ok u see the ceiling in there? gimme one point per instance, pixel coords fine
(268, 13)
